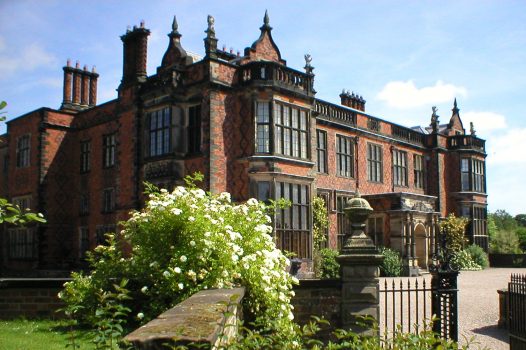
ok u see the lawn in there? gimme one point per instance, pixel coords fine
(38, 334)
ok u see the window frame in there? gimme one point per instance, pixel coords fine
(374, 164)
(343, 224)
(193, 130)
(400, 168)
(472, 175)
(160, 124)
(290, 130)
(263, 137)
(23, 151)
(419, 171)
(108, 200)
(345, 157)
(85, 156)
(84, 207)
(321, 152)
(22, 243)
(109, 150)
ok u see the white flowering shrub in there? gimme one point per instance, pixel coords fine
(185, 241)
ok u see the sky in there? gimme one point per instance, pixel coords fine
(403, 57)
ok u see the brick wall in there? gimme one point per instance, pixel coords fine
(320, 298)
(30, 297)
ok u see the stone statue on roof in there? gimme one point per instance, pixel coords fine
(434, 119)
(211, 21)
(308, 60)
(472, 130)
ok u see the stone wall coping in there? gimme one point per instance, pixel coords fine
(200, 319)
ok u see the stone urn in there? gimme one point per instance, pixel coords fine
(358, 211)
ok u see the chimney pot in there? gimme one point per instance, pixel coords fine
(77, 64)
(86, 67)
(68, 63)
(68, 79)
(142, 23)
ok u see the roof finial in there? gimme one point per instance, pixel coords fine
(175, 26)
(455, 108)
(266, 21)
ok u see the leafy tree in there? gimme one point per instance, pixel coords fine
(492, 227)
(521, 233)
(504, 220)
(505, 242)
(521, 219)
(455, 228)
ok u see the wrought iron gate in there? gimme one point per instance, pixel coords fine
(422, 301)
(517, 312)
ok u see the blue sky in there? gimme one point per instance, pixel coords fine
(403, 57)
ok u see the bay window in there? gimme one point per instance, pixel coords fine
(285, 131)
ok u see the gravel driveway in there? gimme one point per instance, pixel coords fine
(478, 305)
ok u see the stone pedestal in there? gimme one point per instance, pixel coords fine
(359, 270)
(360, 290)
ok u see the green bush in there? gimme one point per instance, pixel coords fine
(521, 233)
(455, 228)
(307, 337)
(392, 265)
(505, 242)
(462, 260)
(328, 266)
(182, 242)
(478, 255)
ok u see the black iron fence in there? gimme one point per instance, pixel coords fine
(405, 305)
(410, 305)
(517, 312)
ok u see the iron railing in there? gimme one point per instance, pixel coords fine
(517, 312)
(405, 306)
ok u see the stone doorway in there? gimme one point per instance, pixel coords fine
(421, 246)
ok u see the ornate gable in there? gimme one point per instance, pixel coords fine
(264, 48)
(455, 123)
(175, 55)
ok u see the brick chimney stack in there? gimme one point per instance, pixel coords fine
(84, 96)
(77, 78)
(135, 49)
(68, 80)
(80, 87)
(93, 88)
(353, 101)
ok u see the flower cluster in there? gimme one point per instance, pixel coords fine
(188, 240)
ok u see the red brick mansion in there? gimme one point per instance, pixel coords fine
(254, 127)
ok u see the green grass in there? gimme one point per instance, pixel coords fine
(39, 334)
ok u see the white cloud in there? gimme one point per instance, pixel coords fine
(508, 148)
(484, 122)
(27, 59)
(404, 94)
